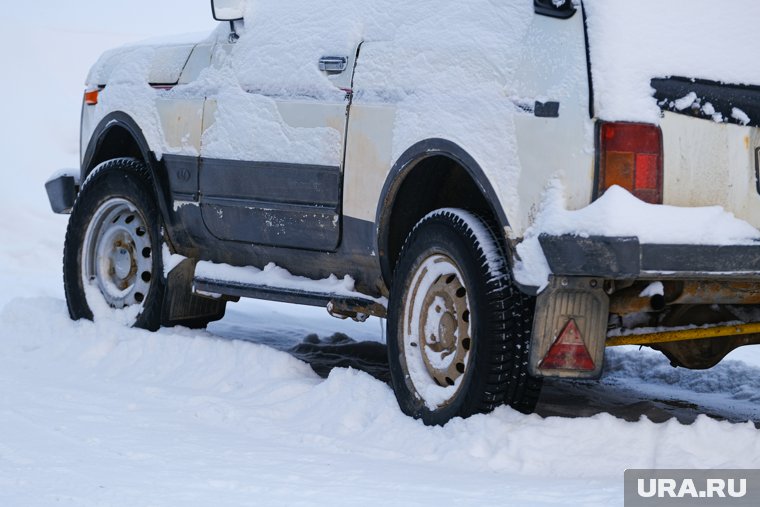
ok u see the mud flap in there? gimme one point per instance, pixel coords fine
(181, 306)
(570, 329)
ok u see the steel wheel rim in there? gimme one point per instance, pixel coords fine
(437, 339)
(117, 255)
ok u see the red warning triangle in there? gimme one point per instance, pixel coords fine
(568, 351)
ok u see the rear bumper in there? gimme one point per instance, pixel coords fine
(62, 192)
(624, 258)
(576, 300)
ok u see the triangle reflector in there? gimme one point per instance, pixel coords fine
(568, 351)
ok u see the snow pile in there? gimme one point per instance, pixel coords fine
(619, 213)
(241, 418)
(734, 381)
(633, 42)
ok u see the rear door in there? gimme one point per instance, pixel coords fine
(273, 142)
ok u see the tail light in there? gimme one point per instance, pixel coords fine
(631, 156)
(91, 96)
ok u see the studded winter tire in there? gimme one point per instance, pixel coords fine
(458, 330)
(112, 254)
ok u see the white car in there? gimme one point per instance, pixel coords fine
(503, 181)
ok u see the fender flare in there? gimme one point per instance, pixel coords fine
(119, 119)
(404, 166)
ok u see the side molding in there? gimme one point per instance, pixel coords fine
(724, 99)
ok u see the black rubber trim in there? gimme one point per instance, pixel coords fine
(300, 203)
(275, 182)
(592, 256)
(160, 181)
(403, 167)
(111, 121)
(625, 258)
(698, 258)
(723, 97)
(588, 64)
(546, 109)
(62, 192)
(597, 159)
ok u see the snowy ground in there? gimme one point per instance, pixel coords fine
(95, 414)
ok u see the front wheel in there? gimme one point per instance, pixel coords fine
(112, 254)
(458, 330)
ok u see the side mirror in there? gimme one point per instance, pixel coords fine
(228, 10)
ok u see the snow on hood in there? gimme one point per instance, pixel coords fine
(168, 56)
(632, 42)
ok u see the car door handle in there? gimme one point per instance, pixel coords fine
(333, 64)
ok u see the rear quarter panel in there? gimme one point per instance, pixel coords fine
(471, 74)
(708, 163)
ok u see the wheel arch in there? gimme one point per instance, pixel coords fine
(450, 176)
(118, 135)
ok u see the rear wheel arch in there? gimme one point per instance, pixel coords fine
(432, 174)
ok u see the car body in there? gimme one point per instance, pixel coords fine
(322, 153)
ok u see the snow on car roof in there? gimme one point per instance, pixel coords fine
(633, 42)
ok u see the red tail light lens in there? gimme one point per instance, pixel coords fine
(631, 156)
(91, 97)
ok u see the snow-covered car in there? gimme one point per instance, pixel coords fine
(514, 185)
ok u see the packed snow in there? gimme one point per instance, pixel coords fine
(97, 414)
(94, 413)
(274, 276)
(633, 42)
(618, 213)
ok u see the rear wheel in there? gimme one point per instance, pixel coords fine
(458, 330)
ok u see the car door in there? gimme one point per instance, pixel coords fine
(273, 142)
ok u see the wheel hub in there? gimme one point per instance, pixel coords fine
(443, 329)
(117, 254)
(437, 328)
(123, 264)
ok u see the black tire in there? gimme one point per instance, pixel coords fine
(453, 264)
(113, 183)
